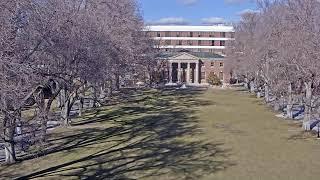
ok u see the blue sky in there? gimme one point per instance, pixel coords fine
(196, 12)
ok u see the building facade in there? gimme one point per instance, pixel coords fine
(191, 68)
(192, 52)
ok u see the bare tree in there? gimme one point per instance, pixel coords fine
(277, 47)
(64, 47)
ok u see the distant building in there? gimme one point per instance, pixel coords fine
(192, 52)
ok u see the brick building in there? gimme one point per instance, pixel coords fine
(192, 52)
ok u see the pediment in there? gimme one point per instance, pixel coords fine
(184, 56)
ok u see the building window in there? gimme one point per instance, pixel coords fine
(167, 34)
(190, 43)
(168, 42)
(178, 34)
(158, 34)
(221, 64)
(212, 64)
(191, 34)
(180, 42)
(212, 43)
(211, 50)
(223, 34)
(199, 43)
(222, 43)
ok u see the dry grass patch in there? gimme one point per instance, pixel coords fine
(175, 134)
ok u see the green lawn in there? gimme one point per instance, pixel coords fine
(172, 134)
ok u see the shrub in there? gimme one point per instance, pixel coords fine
(213, 79)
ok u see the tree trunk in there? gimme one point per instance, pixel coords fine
(81, 96)
(59, 100)
(111, 87)
(44, 108)
(290, 102)
(62, 97)
(10, 152)
(44, 120)
(93, 99)
(246, 83)
(64, 108)
(252, 87)
(18, 123)
(66, 113)
(81, 104)
(9, 145)
(301, 99)
(117, 82)
(103, 93)
(308, 105)
(266, 93)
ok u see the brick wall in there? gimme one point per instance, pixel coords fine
(214, 66)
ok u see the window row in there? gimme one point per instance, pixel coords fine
(215, 64)
(192, 34)
(216, 51)
(192, 43)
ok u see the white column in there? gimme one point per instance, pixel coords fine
(196, 71)
(170, 72)
(179, 72)
(188, 73)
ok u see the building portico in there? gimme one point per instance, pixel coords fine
(184, 71)
(184, 68)
(190, 68)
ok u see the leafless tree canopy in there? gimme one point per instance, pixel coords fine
(59, 50)
(276, 52)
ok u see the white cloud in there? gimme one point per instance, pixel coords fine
(247, 11)
(236, 1)
(188, 2)
(170, 21)
(213, 20)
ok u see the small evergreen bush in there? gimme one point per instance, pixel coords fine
(213, 79)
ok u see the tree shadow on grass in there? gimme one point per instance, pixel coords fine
(164, 141)
(302, 135)
(242, 90)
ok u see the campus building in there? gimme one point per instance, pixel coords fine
(192, 52)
